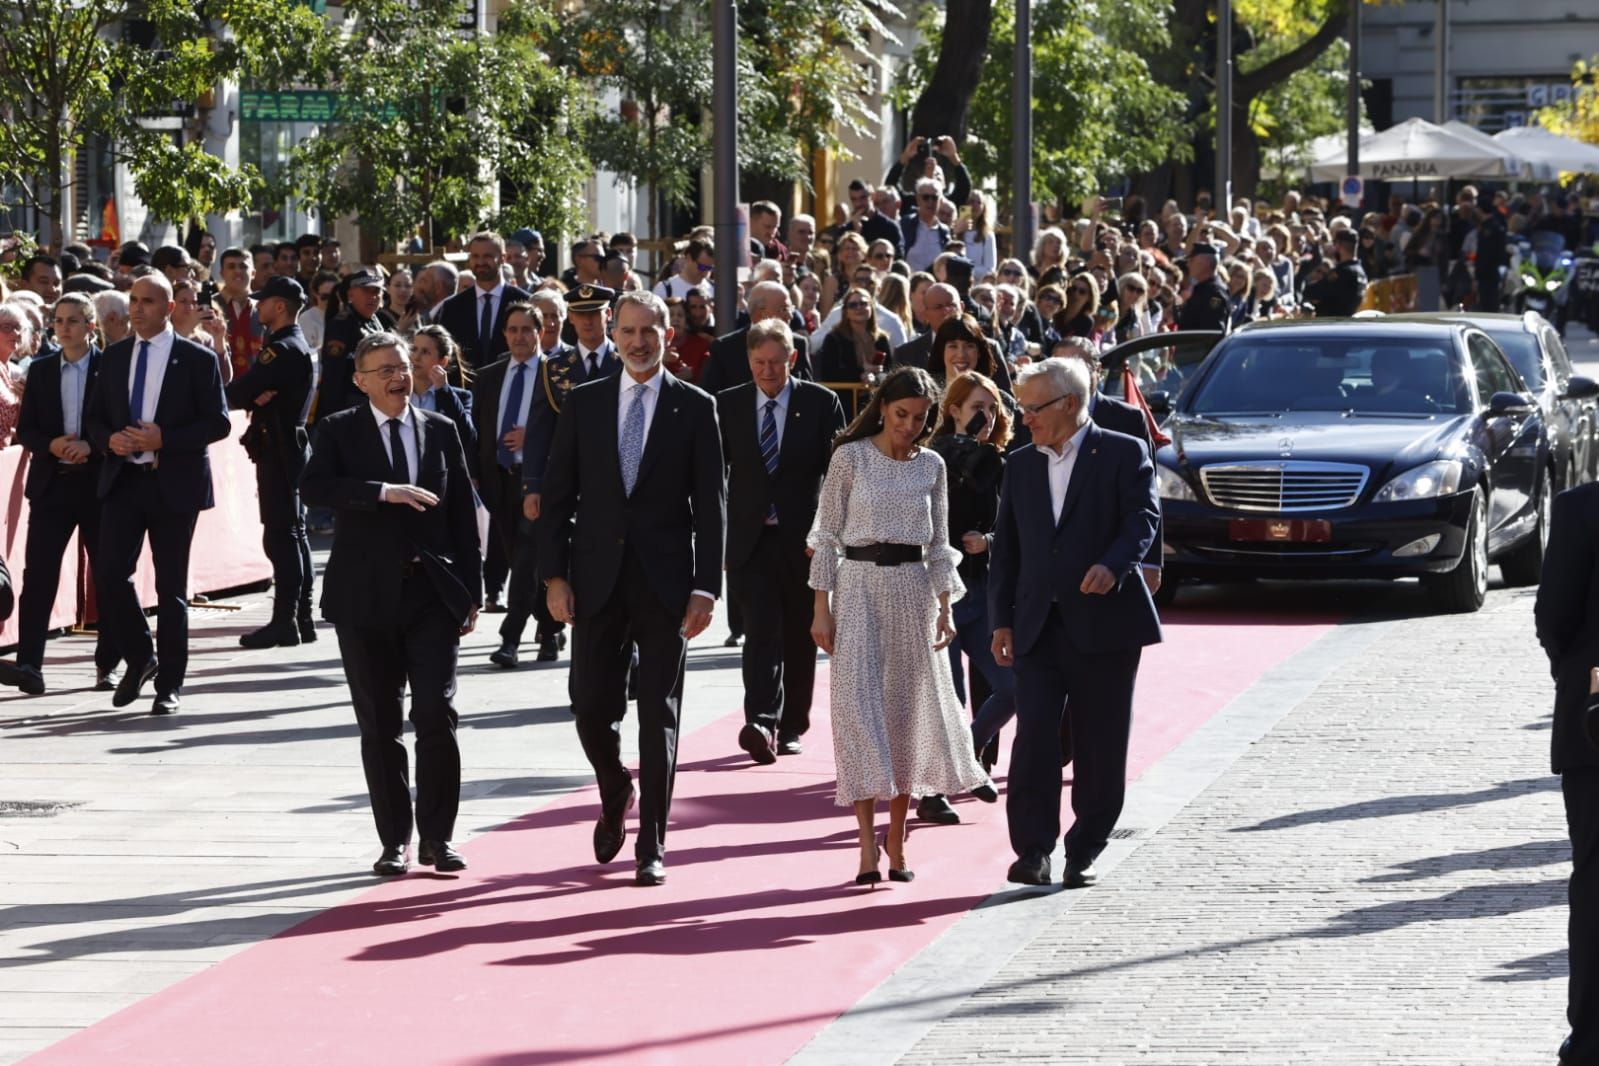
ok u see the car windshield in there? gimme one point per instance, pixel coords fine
(1365, 376)
(1521, 348)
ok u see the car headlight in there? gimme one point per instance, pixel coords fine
(1439, 478)
(1171, 484)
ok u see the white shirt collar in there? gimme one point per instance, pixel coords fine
(383, 420)
(1069, 448)
(160, 339)
(782, 397)
(494, 292)
(652, 383)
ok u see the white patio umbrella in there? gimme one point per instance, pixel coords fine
(1566, 154)
(1416, 150)
(1517, 165)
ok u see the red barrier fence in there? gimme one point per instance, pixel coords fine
(227, 540)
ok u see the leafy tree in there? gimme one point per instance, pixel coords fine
(74, 69)
(1578, 117)
(428, 119)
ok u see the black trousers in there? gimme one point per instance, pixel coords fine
(133, 510)
(284, 539)
(1581, 790)
(1095, 691)
(496, 563)
(772, 592)
(419, 646)
(524, 596)
(70, 503)
(602, 648)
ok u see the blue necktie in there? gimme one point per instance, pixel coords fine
(769, 450)
(485, 332)
(513, 408)
(136, 399)
(402, 470)
(633, 439)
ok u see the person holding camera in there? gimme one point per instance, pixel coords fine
(930, 157)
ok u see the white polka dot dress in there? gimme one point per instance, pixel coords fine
(897, 727)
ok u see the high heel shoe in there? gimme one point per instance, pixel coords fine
(900, 873)
(872, 876)
(986, 792)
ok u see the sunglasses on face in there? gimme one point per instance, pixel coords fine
(855, 305)
(879, 255)
(928, 199)
(1010, 272)
(1078, 290)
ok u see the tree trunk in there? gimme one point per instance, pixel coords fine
(942, 107)
(1246, 146)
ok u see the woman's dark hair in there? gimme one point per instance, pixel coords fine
(959, 328)
(905, 383)
(448, 349)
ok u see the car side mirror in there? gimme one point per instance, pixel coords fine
(1159, 402)
(1511, 403)
(1581, 388)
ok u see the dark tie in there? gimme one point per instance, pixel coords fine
(136, 400)
(485, 331)
(769, 450)
(594, 364)
(513, 408)
(402, 472)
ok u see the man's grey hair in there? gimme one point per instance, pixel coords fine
(929, 183)
(1066, 376)
(110, 304)
(551, 300)
(648, 300)
(802, 218)
(765, 296)
(773, 329)
(445, 272)
(373, 341)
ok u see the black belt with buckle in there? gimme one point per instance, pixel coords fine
(885, 554)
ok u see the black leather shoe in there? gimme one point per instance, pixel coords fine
(758, 742)
(165, 703)
(504, 655)
(986, 793)
(936, 809)
(106, 680)
(26, 678)
(392, 863)
(733, 640)
(1080, 874)
(133, 682)
(548, 651)
(611, 830)
(494, 606)
(439, 855)
(307, 627)
(284, 634)
(790, 744)
(651, 872)
(1029, 870)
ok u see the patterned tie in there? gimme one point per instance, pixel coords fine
(485, 330)
(136, 398)
(402, 470)
(633, 439)
(513, 410)
(769, 451)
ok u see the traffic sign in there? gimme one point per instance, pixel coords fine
(1352, 191)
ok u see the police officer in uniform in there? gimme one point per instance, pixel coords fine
(1206, 306)
(276, 390)
(337, 390)
(1340, 294)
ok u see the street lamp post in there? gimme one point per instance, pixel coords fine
(1224, 108)
(724, 110)
(1021, 115)
(1354, 88)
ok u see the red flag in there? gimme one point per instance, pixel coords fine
(1134, 396)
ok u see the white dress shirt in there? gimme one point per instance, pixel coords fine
(586, 356)
(155, 372)
(779, 413)
(529, 376)
(1061, 465)
(887, 321)
(74, 383)
(407, 441)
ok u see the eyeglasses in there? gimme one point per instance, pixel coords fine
(1035, 408)
(387, 370)
(10, 327)
(928, 198)
(1010, 272)
(880, 255)
(1078, 290)
(855, 305)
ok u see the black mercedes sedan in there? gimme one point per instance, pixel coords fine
(1358, 448)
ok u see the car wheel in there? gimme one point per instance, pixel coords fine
(1524, 565)
(1463, 589)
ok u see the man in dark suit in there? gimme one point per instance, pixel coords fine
(630, 550)
(777, 438)
(1076, 517)
(156, 407)
(403, 584)
(63, 472)
(277, 390)
(729, 361)
(939, 303)
(1567, 615)
(475, 317)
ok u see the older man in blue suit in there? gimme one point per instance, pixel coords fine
(1076, 518)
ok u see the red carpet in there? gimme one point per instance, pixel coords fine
(535, 955)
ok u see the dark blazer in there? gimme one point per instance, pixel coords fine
(39, 421)
(286, 367)
(1108, 518)
(192, 412)
(814, 418)
(674, 517)
(729, 361)
(837, 360)
(559, 373)
(486, 406)
(1567, 616)
(455, 403)
(372, 540)
(1122, 417)
(460, 315)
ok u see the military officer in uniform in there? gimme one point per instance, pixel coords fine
(1206, 306)
(336, 391)
(277, 391)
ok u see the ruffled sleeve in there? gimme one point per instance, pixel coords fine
(826, 539)
(942, 559)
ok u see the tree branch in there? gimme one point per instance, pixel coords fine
(1247, 86)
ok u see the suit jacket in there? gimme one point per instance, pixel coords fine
(191, 411)
(560, 372)
(39, 421)
(372, 540)
(455, 404)
(814, 418)
(461, 314)
(673, 520)
(284, 366)
(486, 407)
(1108, 518)
(1567, 616)
(729, 361)
(1122, 417)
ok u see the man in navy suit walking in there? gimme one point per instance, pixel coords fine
(1076, 517)
(156, 407)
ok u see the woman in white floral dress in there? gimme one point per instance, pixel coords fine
(882, 557)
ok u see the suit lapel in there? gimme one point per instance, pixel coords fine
(608, 430)
(1082, 470)
(423, 474)
(665, 411)
(793, 424)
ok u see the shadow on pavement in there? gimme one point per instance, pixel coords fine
(1388, 806)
